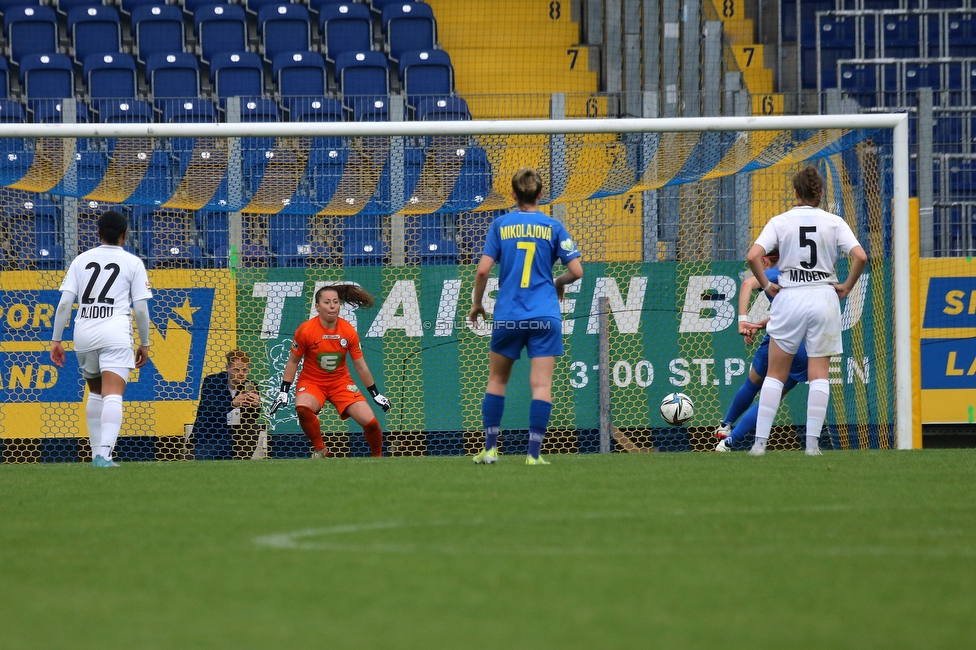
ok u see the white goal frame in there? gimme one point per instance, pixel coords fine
(897, 122)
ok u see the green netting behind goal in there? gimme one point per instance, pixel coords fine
(238, 233)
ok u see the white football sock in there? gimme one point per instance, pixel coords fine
(817, 400)
(93, 417)
(111, 424)
(769, 397)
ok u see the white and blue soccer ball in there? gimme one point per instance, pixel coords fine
(677, 408)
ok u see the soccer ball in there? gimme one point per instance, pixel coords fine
(677, 408)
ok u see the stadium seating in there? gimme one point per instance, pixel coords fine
(426, 74)
(860, 81)
(326, 163)
(220, 29)
(172, 76)
(213, 226)
(441, 108)
(185, 111)
(157, 29)
(94, 30)
(236, 75)
(299, 76)
(47, 76)
(30, 30)
(315, 109)
(109, 77)
(436, 245)
(901, 36)
(283, 28)
(48, 111)
(128, 7)
(290, 239)
(11, 112)
(345, 27)
(254, 7)
(407, 27)
(4, 78)
(133, 111)
(65, 7)
(961, 36)
(167, 239)
(363, 243)
(39, 222)
(364, 82)
(191, 7)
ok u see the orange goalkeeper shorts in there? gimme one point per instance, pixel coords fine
(341, 395)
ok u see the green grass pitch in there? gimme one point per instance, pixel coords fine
(855, 549)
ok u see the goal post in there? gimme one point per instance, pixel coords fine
(241, 222)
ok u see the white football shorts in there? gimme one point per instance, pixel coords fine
(807, 313)
(116, 360)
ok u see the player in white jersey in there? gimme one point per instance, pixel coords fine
(807, 305)
(105, 281)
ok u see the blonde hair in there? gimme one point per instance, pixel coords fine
(527, 185)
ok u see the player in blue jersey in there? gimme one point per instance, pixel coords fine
(526, 244)
(728, 436)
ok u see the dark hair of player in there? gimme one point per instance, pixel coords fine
(352, 294)
(111, 226)
(527, 185)
(809, 185)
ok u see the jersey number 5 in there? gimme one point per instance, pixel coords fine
(806, 242)
(529, 248)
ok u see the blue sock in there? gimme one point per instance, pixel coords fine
(492, 407)
(538, 423)
(745, 426)
(743, 398)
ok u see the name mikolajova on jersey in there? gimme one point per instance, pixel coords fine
(808, 276)
(96, 311)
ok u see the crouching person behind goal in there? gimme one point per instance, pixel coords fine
(323, 342)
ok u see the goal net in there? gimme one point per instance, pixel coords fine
(239, 224)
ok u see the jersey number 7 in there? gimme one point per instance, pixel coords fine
(529, 248)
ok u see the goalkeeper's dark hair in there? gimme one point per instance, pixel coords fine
(111, 226)
(352, 294)
(527, 185)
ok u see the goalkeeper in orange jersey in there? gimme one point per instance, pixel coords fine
(323, 342)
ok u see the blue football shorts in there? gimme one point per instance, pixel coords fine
(798, 371)
(541, 337)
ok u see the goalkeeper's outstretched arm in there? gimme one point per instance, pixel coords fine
(367, 377)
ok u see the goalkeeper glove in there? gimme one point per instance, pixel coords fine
(382, 400)
(282, 399)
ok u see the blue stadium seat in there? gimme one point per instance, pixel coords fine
(128, 7)
(219, 29)
(290, 239)
(48, 111)
(314, 109)
(408, 27)
(7, 5)
(11, 112)
(40, 222)
(363, 243)
(436, 243)
(474, 181)
(184, 111)
(4, 77)
(213, 226)
(961, 36)
(345, 27)
(133, 111)
(157, 29)
(167, 240)
(172, 76)
(837, 41)
(299, 75)
(191, 7)
(426, 74)
(94, 30)
(65, 7)
(441, 109)
(47, 76)
(379, 5)
(254, 7)
(30, 30)
(258, 109)
(901, 36)
(364, 81)
(962, 177)
(920, 75)
(315, 6)
(109, 77)
(236, 75)
(327, 159)
(284, 28)
(860, 82)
